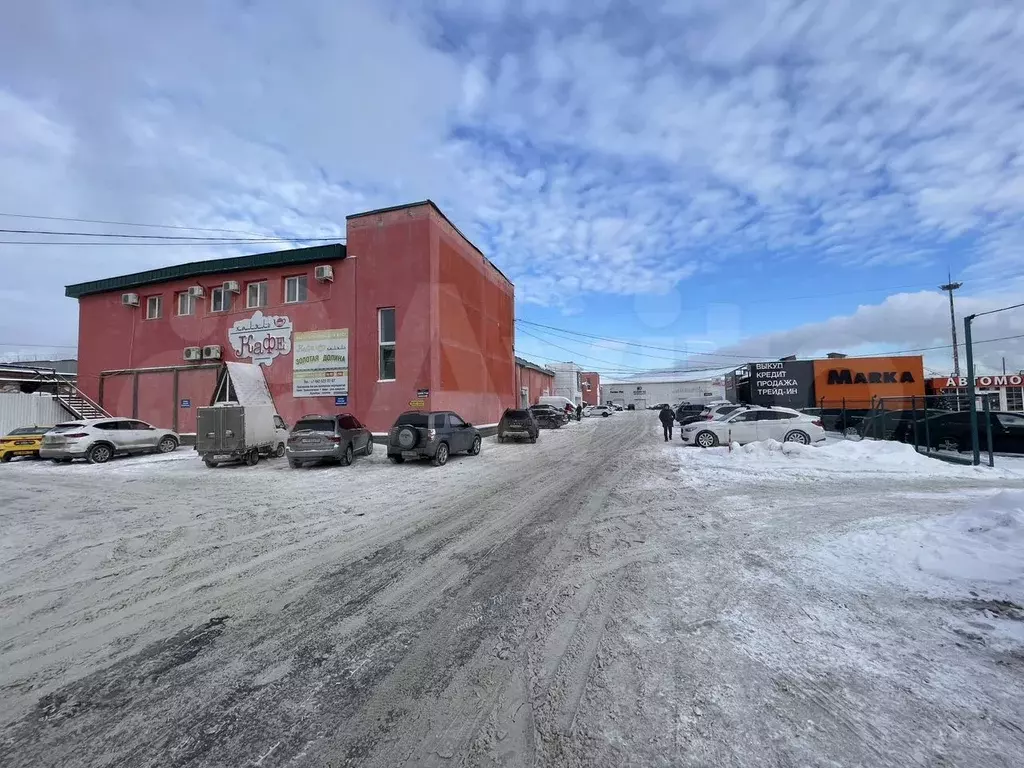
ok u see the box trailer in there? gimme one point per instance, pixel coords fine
(233, 432)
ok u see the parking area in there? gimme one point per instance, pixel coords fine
(599, 598)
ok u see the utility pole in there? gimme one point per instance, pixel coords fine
(950, 286)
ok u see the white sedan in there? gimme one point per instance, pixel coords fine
(753, 423)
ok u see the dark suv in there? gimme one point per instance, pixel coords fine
(518, 423)
(431, 435)
(328, 438)
(686, 410)
(548, 417)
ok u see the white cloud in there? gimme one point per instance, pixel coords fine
(587, 148)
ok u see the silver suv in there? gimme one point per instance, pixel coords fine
(328, 438)
(99, 440)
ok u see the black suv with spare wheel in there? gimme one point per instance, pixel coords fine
(518, 423)
(431, 435)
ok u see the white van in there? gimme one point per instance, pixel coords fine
(559, 402)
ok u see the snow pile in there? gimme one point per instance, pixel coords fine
(765, 460)
(250, 384)
(983, 544)
(978, 549)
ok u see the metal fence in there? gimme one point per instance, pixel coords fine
(906, 419)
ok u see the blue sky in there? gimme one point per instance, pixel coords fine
(747, 179)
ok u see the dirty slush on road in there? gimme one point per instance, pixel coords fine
(471, 636)
(601, 598)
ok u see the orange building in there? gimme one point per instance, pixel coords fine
(864, 380)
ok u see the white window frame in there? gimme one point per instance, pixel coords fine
(225, 299)
(381, 344)
(261, 286)
(295, 280)
(190, 303)
(154, 301)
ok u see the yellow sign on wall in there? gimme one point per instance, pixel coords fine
(417, 403)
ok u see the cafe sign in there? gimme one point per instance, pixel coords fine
(261, 338)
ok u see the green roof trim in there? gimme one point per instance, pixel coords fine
(330, 252)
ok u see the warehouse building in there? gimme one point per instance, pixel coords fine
(568, 381)
(407, 314)
(532, 382)
(644, 394)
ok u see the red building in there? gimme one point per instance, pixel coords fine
(591, 385)
(532, 382)
(408, 314)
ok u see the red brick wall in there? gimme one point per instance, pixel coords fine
(591, 396)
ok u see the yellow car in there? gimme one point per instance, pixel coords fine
(23, 441)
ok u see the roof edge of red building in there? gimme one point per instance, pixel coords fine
(290, 256)
(524, 363)
(432, 204)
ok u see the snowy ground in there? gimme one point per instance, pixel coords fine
(600, 598)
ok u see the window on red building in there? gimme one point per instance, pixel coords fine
(386, 335)
(220, 300)
(295, 289)
(256, 295)
(154, 307)
(186, 303)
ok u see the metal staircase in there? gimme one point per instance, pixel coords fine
(62, 388)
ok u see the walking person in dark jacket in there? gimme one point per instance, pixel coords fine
(667, 420)
(579, 412)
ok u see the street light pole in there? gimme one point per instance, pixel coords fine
(975, 450)
(950, 286)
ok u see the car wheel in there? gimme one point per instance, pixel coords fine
(475, 448)
(346, 460)
(369, 447)
(210, 463)
(605, 415)
(706, 439)
(279, 453)
(99, 454)
(441, 457)
(797, 436)
(501, 438)
(533, 439)
(5, 458)
(397, 459)
(167, 445)
(294, 463)
(949, 444)
(252, 458)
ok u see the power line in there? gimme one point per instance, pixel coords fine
(129, 224)
(154, 237)
(58, 243)
(630, 343)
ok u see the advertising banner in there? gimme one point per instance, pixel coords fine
(789, 384)
(320, 363)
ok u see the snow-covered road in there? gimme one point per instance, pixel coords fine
(599, 598)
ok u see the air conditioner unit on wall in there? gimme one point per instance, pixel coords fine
(193, 353)
(231, 286)
(196, 292)
(324, 273)
(211, 352)
(129, 299)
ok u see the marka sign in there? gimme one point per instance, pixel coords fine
(261, 337)
(846, 376)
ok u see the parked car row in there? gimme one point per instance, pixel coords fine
(230, 432)
(947, 430)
